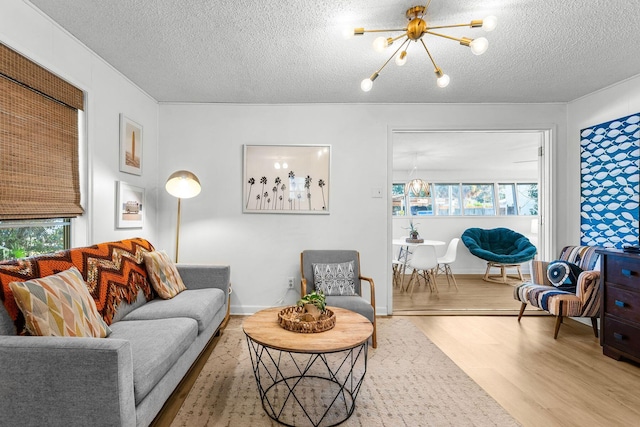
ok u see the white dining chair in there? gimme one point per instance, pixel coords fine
(444, 262)
(423, 262)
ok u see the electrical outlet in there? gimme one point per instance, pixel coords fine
(290, 281)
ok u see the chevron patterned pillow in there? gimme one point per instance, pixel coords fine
(163, 274)
(335, 279)
(59, 305)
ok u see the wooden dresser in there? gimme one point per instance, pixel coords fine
(620, 314)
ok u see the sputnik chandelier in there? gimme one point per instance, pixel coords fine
(415, 31)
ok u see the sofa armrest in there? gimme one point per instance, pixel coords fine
(206, 276)
(61, 381)
(588, 284)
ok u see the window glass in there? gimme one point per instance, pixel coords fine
(397, 203)
(19, 239)
(420, 204)
(527, 199)
(507, 199)
(478, 199)
(447, 199)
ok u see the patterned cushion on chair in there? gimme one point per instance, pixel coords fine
(59, 305)
(335, 279)
(563, 275)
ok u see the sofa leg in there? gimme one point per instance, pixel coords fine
(594, 323)
(522, 307)
(558, 323)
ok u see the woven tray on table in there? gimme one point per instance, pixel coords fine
(290, 319)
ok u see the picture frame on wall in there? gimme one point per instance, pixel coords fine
(129, 206)
(131, 143)
(286, 179)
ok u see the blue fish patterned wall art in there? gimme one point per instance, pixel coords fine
(609, 194)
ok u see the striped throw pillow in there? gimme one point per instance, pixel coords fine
(163, 274)
(59, 305)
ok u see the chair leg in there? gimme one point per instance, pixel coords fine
(519, 274)
(503, 270)
(374, 337)
(594, 323)
(432, 277)
(411, 284)
(558, 323)
(522, 307)
(486, 274)
(450, 273)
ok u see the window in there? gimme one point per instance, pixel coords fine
(39, 173)
(527, 199)
(478, 199)
(506, 199)
(19, 239)
(447, 199)
(467, 199)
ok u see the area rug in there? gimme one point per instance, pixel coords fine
(409, 382)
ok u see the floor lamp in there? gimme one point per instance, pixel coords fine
(183, 185)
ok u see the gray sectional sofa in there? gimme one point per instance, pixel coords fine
(121, 380)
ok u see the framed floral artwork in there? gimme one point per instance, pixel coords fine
(286, 179)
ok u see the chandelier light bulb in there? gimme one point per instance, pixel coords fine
(489, 23)
(443, 81)
(401, 59)
(366, 85)
(479, 46)
(348, 33)
(379, 43)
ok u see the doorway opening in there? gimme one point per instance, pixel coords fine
(451, 162)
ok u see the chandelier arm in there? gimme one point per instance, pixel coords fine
(444, 36)
(429, 53)
(426, 6)
(392, 55)
(383, 31)
(471, 24)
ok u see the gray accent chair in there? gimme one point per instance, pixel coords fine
(354, 303)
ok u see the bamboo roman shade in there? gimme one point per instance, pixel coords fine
(39, 176)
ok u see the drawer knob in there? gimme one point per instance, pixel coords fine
(618, 336)
(620, 303)
(627, 273)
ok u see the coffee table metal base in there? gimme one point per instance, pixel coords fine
(317, 389)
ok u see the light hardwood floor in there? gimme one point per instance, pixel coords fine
(538, 380)
(473, 295)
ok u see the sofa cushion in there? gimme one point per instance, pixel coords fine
(163, 274)
(198, 304)
(114, 272)
(59, 305)
(156, 345)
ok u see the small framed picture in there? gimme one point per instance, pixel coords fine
(130, 146)
(129, 206)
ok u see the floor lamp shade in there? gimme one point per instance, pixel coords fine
(183, 185)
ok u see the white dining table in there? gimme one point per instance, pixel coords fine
(403, 255)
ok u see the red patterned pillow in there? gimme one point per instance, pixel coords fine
(113, 271)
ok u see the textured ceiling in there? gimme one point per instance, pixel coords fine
(292, 51)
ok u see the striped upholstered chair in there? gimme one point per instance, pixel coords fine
(585, 302)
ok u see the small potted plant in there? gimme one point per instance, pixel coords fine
(313, 303)
(413, 232)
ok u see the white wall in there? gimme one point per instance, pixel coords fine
(263, 250)
(619, 100)
(25, 29)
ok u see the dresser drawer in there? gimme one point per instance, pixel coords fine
(622, 303)
(623, 271)
(622, 336)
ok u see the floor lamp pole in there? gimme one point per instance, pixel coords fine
(178, 231)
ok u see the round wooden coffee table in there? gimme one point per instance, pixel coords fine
(308, 379)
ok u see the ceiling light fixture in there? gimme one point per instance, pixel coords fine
(414, 31)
